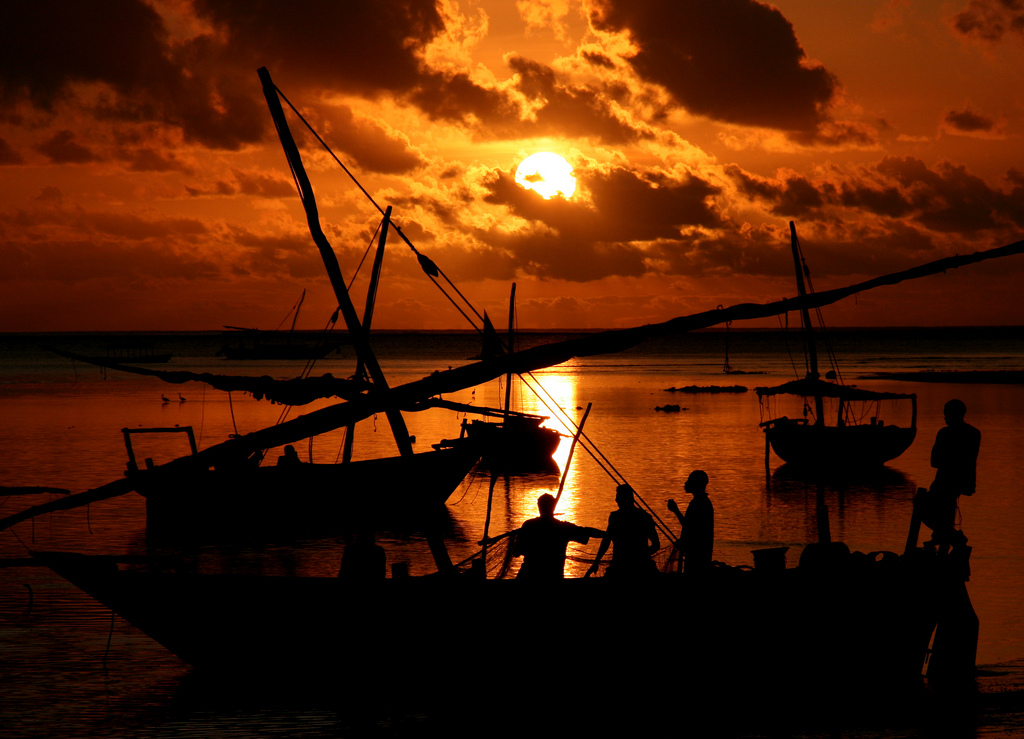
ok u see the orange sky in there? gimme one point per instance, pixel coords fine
(143, 187)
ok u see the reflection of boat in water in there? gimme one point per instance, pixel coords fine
(849, 441)
(254, 343)
(795, 477)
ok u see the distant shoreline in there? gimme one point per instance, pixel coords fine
(522, 331)
(988, 377)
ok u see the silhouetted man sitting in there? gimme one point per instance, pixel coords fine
(955, 458)
(290, 458)
(696, 541)
(633, 537)
(542, 542)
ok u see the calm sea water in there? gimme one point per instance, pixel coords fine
(70, 669)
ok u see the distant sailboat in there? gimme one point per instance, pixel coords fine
(253, 343)
(847, 442)
(518, 442)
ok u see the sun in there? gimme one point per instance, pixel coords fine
(548, 174)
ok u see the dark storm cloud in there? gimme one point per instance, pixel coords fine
(737, 61)
(969, 122)
(612, 235)
(50, 45)
(560, 109)
(370, 146)
(751, 251)
(990, 20)
(952, 200)
(569, 110)
(207, 85)
(792, 196)
(47, 44)
(62, 148)
(948, 199)
(361, 46)
(627, 205)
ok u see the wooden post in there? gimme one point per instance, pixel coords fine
(915, 522)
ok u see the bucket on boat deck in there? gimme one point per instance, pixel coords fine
(770, 560)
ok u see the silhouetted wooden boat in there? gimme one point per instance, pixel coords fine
(847, 441)
(839, 624)
(282, 501)
(518, 442)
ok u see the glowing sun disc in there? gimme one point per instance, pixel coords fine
(548, 174)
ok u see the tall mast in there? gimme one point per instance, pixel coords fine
(511, 348)
(298, 307)
(805, 319)
(371, 301)
(360, 340)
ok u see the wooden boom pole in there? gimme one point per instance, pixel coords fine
(360, 339)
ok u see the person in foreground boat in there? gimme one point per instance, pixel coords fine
(696, 542)
(955, 458)
(364, 560)
(633, 537)
(542, 542)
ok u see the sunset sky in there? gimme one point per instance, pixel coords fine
(144, 188)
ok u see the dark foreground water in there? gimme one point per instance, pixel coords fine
(68, 668)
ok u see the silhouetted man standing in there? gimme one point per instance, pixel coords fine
(542, 541)
(954, 457)
(633, 536)
(698, 535)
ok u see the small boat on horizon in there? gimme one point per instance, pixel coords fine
(255, 344)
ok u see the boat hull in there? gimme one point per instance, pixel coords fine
(516, 445)
(788, 633)
(831, 447)
(276, 501)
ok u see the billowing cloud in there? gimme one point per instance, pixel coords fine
(124, 45)
(62, 148)
(947, 199)
(737, 61)
(966, 122)
(138, 148)
(361, 46)
(990, 20)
